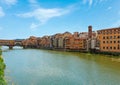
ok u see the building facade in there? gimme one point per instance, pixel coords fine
(109, 39)
(30, 42)
(105, 40)
(74, 42)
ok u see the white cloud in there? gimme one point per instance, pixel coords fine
(43, 15)
(109, 8)
(90, 2)
(9, 2)
(93, 2)
(34, 26)
(1, 12)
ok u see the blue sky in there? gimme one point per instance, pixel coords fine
(24, 18)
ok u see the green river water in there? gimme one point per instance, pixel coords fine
(45, 67)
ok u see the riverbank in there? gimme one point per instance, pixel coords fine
(2, 68)
(115, 54)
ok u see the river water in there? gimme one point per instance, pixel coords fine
(45, 67)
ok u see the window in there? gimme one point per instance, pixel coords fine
(118, 47)
(107, 37)
(118, 41)
(106, 47)
(103, 41)
(114, 41)
(114, 48)
(104, 37)
(103, 47)
(110, 47)
(118, 37)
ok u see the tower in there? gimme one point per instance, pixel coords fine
(89, 32)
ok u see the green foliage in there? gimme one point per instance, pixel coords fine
(2, 67)
(0, 52)
(2, 81)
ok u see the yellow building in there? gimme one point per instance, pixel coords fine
(109, 39)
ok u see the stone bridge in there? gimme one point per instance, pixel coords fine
(11, 43)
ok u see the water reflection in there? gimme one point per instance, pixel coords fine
(45, 67)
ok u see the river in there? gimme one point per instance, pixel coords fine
(45, 67)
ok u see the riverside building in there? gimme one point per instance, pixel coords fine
(109, 39)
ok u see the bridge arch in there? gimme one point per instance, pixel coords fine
(18, 44)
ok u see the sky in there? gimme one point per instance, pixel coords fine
(20, 19)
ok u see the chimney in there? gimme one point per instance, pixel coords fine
(89, 32)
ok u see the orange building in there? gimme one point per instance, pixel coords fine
(30, 42)
(75, 42)
(67, 43)
(109, 39)
(44, 42)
